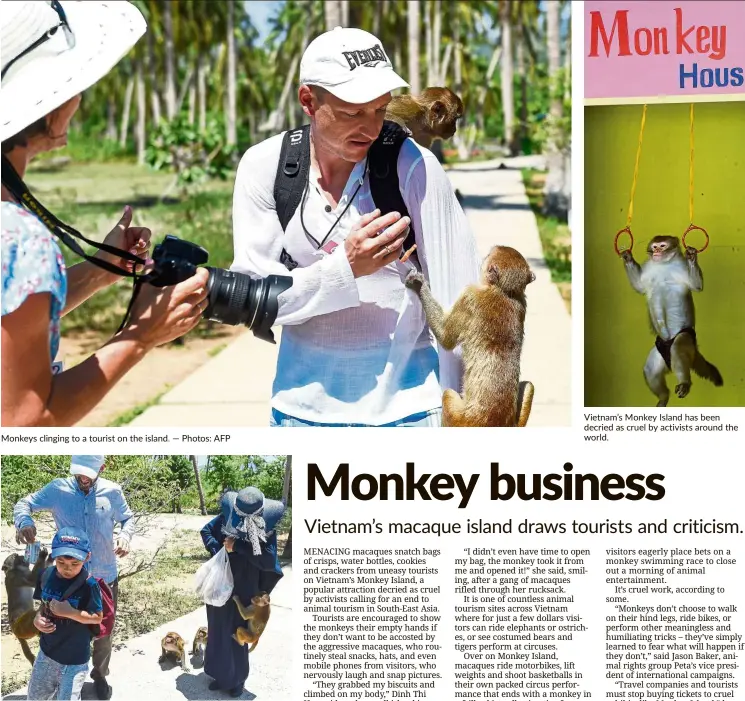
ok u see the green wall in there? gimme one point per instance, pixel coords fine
(617, 333)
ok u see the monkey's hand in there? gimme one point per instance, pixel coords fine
(691, 254)
(627, 255)
(63, 609)
(415, 280)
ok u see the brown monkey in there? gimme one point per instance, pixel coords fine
(173, 645)
(432, 115)
(200, 641)
(667, 279)
(487, 321)
(257, 615)
(20, 581)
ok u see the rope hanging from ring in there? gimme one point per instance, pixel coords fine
(630, 215)
(691, 225)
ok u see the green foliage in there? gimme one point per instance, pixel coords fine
(555, 235)
(92, 201)
(149, 483)
(26, 474)
(234, 472)
(557, 130)
(194, 155)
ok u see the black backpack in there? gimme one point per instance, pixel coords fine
(294, 164)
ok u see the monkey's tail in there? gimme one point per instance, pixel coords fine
(27, 651)
(524, 402)
(703, 368)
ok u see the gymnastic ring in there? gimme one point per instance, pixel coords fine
(625, 230)
(693, 227)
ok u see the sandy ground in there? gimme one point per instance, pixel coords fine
(158, 371)
(150, 535)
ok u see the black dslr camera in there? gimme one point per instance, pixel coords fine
(234, 298)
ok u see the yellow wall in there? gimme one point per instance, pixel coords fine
(617, 333)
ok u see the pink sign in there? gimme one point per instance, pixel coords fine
(671, 51)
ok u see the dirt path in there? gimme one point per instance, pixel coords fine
(159, 370)
(158, 530)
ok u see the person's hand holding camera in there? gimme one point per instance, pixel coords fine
(162, 314)
(369, 248)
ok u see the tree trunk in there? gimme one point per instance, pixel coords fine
(427, 18)
(484, 91)
(555, 201)
(287, 480)
(185, 87)
(413, 31)
(436, 40)
(124, 128)
(192, 103)
(202, 92)
(459, 138)
(170, 62)
(522, 129)
(111, 118)
(445, 65)
(344, 5)
(287, 551)
(198, 480)
(332, 12)
(150, 71)
(140, 136)
(377, 15)
(508, 101)
(230, 120)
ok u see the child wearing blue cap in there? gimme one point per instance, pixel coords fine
(71, 602)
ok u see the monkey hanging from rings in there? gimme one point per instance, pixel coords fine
(668, 279)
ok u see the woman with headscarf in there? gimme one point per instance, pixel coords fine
(245, 527)
(51, 53)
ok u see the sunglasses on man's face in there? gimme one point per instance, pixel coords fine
(69, 36)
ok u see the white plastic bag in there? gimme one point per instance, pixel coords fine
(213, 581)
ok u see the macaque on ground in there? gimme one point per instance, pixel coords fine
(200, 642)
(432, 115)
(173, 645)
(667, 279)
(487, 321)
(20, 581)
(257, 615)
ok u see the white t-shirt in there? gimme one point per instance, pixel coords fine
(354, 350)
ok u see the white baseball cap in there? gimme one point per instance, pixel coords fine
(87, 465)
(351, 64)
(52, 51)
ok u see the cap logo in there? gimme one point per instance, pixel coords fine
(370, 56)
(70, 539)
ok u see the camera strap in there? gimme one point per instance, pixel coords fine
(64, 232)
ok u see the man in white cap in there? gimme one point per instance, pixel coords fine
(355, 347)
(95, 505)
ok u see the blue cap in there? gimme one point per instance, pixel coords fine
(71, 542)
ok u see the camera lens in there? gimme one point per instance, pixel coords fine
(236, 298)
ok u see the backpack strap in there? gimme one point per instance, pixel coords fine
(291, 178)
(294, 166)
(384, 185)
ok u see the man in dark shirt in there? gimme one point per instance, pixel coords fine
(71, 602)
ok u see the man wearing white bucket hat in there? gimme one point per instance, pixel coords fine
(51, 52)
(94, 505)
(355, 348)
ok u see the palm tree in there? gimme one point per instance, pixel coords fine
(508, 100)
(413, 31)
(198, 480)
(333, 12)
(230, 120)
(170, 61)
(555, 191)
